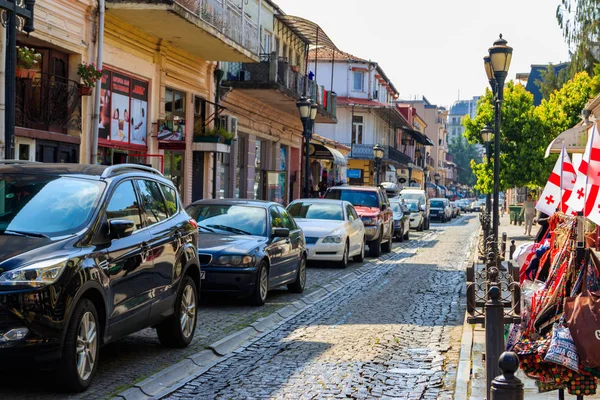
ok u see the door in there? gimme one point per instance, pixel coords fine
(165, 242)
(354, 232)
(129, 266)
(388, 216)
(24, 148)
(296, 245)
(278, 250)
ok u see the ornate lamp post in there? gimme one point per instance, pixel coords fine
(487, 134)
(378, 152)
(16, 14)
(436, 178)
(308, 113)
(410, 166)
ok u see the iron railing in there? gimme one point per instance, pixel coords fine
(48, 102)
(363, 151)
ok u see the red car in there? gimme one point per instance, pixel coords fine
(373, 207)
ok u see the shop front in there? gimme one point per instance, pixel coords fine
(328, 165)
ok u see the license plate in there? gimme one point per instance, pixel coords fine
(202, 275)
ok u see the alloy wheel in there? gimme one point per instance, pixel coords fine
(87, 343)
(302, 272)
(187, 313)
(264, 283)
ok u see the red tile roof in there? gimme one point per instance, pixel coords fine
(344, 101)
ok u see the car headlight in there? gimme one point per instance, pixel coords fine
(39, 274)
(234, 261)
(369, 220)
(333, 239)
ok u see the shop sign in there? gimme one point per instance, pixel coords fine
(354, 173)
(123, 109)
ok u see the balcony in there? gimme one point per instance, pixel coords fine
(48, 103)
(209, 29)
(365, 152)
(276, 83)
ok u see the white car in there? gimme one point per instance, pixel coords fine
(417, 221)
(332, 229)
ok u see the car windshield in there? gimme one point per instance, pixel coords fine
(359, 198)
(395, 207)
(238, 219)
(412, 196)
(46, 205)
(412, 206)
(309, 210)
(437, 204)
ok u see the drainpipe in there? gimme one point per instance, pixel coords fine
(96, 115)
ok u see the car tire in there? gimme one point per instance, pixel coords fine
(300, 283)
(421, 226)
(375, 246)
(360, 257)
(401, 235)
(427, 224)
(79, 361)
(170, 332)
(344, 262)
(261, 287)
(387, 246)
(407, 235)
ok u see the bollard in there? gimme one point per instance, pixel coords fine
(507, 386)
(494, 334)
(513, 248)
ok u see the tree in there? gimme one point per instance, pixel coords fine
(580, 22)
(551, 80)
(463, 153)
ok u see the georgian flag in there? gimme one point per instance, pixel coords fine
(559, 186)
(584, 196)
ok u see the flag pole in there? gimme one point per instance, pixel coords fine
(562, 172)
(591, 145)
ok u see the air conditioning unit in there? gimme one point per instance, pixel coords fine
(229, 123)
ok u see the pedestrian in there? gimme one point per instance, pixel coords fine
(542, 221)
(529, 211)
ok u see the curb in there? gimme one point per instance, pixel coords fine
(166, 381)
(463, 371)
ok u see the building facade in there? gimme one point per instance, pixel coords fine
(455, 115)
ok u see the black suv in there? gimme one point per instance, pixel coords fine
(89, 254)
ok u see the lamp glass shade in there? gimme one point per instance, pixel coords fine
(487, 134)
(410, 165)
(500, 56)
(378, 151)
(313, 111)
(303, 107)
(487, 63)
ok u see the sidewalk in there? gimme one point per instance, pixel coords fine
(471, 370)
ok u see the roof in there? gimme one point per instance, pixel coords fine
(348, 101)
(536, 75)
(52, 169)
(308, 31)
(327, 54)
(461, 107)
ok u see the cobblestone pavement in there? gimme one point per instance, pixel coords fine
(394, 334)
(140, 355)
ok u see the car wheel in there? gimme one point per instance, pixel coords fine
(421, 226)
(81, 348)
(261, 287)
(427, 224)
(407, 234)
(387, 246)
(401, 235)
(375, 246)
(177, 331)
(298, 285)
(344, 262)
(360, 256)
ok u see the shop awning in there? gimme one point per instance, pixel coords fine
(391, 168)
(321, 152)
(309, 31)
(419, 137)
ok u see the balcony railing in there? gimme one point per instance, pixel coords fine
(227, 18)
(363, 151)
(48, 103)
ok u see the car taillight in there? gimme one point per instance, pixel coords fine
(194, 223)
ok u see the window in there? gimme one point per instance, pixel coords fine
(276, 219)
(124, 205)
(174, 104)
(236, 219)
(257, 170)
(357, 129)
(288, 221)
(267, 40)
(359, 80)
(355, 197)
(310, 210)
(170, 199)
(224, 191)
(199, 115)
(153, 202)
(349, 209)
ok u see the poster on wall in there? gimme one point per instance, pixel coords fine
(120, 88)
(139, 112)
(171, 129)
(105, 114)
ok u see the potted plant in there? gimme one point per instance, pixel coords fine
(227, 136)
(209, 136)
(26, 59)
(89, 74)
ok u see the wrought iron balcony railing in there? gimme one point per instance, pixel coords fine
(363, 151)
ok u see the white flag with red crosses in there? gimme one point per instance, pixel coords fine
(584, 196)
(559, 186)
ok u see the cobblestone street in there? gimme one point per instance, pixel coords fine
(394, 335)
(389, 335)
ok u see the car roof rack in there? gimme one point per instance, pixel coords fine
(122, 168)
(18, 162)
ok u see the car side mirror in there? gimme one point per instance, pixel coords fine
(281, 232)
(119, 228)
(422, 208)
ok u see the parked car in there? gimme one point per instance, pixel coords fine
(421, 196)
(332, 229)
(440, 209)
(455, 209)
(247, 248)
(417, 220)
(90, 254)
(401, 220)
(391, 189)
(464, 205)
(478, 205)
(373, 207)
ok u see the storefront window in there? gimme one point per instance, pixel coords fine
(224, 192)
(174, 104)
(174, 168)
(240, 177)
(258, 171)
(283, 157)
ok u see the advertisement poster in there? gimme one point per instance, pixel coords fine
(172, 129)
(120, 87)
(105, 114)
(139, 112)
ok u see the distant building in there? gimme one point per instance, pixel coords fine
(458, 110)
(529, 80)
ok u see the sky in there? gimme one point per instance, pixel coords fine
(435, 48)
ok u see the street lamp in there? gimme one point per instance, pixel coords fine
(487, 133)
(304, 107)
(378, 151)
(500, 57)
(410, 168)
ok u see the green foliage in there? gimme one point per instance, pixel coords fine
(551, 80)
(595, 84)
(27, 57)
(464, 153)
(526, 131)
(89, 74)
